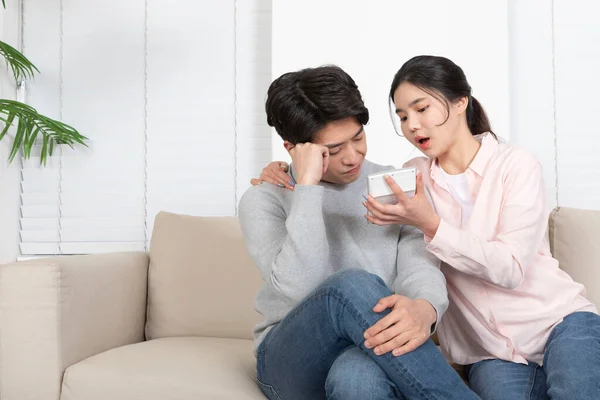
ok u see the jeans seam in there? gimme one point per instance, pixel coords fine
(260, 355)
(266, 341)
(294, 311)
(269, 387)
(532, 382)
(337, 295)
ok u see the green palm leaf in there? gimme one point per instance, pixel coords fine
(30, 124)
(21, 67)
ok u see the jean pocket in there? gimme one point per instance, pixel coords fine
(268, 390)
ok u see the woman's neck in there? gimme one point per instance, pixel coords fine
(460, 155)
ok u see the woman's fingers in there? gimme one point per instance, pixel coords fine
(275, 173)
(377, 217)
(385, 209)
(279, 181)
(397, 190)
(381, 222)
(382, 216)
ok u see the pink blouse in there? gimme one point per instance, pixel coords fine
(506, 290)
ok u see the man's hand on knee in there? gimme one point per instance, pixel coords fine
(404, 329)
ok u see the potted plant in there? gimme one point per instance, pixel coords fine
(31, 127)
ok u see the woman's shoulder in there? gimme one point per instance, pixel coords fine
(515, 156)
(421, 163)
(418, 162)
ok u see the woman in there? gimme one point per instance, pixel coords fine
(520, 324)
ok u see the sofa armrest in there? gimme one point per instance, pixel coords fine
(58, 311)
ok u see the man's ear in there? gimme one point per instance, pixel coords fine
(461, 105)
(288, 146)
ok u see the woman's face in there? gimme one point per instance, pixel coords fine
(422, 119)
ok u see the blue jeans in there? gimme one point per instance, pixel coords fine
(317, 351)
(571, 367)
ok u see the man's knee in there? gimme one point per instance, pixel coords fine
(352, 281)
(355, 376)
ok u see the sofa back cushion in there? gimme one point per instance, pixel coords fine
(201, 280)
(574, 238)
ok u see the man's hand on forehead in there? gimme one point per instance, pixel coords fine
(310, 162)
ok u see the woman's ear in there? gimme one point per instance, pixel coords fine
(461, 105)
(288, 146)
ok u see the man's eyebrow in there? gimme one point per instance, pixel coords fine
(412, 103)
(331, 146)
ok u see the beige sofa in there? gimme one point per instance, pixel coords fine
(172, 324)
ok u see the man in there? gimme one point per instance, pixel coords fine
(348, 306)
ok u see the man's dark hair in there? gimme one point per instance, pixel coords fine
(301, 103)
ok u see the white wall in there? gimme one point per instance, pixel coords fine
(577, 88)
(371, 40)
(10, 175)
(555, 59)
(253, 77)
(532, 84)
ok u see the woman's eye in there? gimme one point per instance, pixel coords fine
(333, 153)
(358, 139)
(402, 119)
(423, 109)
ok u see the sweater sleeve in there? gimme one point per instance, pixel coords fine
(290, 250)
(419, 275)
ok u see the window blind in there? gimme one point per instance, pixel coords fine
(172, 100)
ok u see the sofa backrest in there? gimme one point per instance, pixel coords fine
(201, 280)
(574, 240)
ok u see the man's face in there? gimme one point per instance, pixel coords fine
(347, 146)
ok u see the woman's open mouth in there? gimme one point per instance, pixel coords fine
(424, 143)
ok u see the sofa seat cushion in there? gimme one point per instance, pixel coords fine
(167, 369)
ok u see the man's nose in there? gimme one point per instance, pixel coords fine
(351, 156)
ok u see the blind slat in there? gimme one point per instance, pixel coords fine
(158, 140)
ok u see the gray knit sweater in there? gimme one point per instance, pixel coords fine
(299, 238)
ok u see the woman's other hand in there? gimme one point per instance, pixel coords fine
(275, 173)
